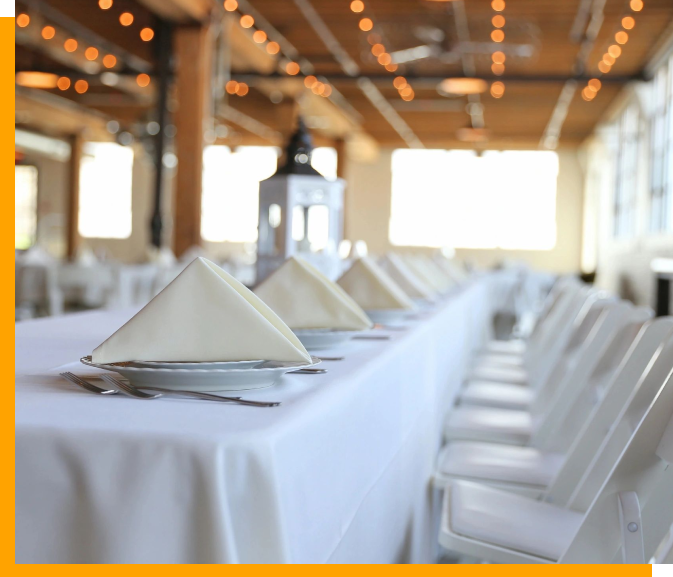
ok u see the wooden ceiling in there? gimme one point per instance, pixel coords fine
(541, 56)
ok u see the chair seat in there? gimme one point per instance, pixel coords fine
(487, 424)
(499, 360)
(498, 463)
(499, 395)
(512, 347)
(514, 375)
(509, 520)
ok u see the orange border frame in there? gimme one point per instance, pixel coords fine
(6, 123)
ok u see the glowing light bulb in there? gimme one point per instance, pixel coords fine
(497, 35)
(273, 48)
(109, 61)
(230, 5)
(146, 34)
(292, 68)
(366, 24)
(81, 86)
(48, 32)
(357, 6)
(70, 45)
(91, 53)
(22, 20)
(63, 83)
(247, 21)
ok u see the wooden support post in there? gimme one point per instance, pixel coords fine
(193, 52)
(72, 218)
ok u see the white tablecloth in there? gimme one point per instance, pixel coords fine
(341, 472)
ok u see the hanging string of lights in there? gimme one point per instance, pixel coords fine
(378, 50)
(288, 65)
(498, 57)
(71, 45)
(614, 50)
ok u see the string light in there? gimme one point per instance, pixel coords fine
(615, 51)
(357, 6)
(498, 21)
(109, 61)
(81, 86)
(399, 82)
(497, 88)
(498, 57)
(22, 20)
(636, 5)
(146, 34)
(588, 94)
(366, 24)
(247, 21)
(384, 59)
(604, 67)
(273, 48)
(259, 36)
(143, 80)
(622, 37)
(70, 45)
(309, 81)
(392, 67)
(498, 68)
(327, 91)
(595, 84)
(378, 49)
(497, 35)
(373, 38)
(318, 89)
(292, 68)
(628, 22)
(230, 5)
(609, 59)
(231, 87)
(242, 89)
(91, 53)
(498, 5)
(48, 32)
(126, 19)
(105, 4)
(63, 83)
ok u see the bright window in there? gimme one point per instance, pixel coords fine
(459, 199)
(230, 202)
(661, 181)
(626, 174)
(25, 206)
(105, 191)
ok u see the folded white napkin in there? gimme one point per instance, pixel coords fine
(453, 269)
(372, 288)
(306, 299)
(205, 314)
(429, 273)
(407, 280)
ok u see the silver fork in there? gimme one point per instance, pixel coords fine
(132, 391)
(73, 378)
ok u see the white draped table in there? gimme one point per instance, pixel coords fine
(341, 472)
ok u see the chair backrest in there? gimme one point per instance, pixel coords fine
(542, 358)
(623, 427)
(633, 510)
(556, 316)
(615, 326)
(606, 395)
(585, 321)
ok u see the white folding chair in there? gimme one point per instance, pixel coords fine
(624, 520)
(555, 473)
(516, 348)
(516, 427)
(542, 354)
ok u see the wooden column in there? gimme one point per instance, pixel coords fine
(193, 52)
(72, 217)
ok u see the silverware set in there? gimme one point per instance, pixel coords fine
(128, 389)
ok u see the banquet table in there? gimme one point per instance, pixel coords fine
(340, 472)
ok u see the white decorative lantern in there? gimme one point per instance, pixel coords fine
(300, 213)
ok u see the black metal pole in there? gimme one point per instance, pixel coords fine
(163, 54)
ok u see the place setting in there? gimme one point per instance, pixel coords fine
(211, 333)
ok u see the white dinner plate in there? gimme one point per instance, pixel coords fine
(209, 376)
(387, 316)
(321, 339)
